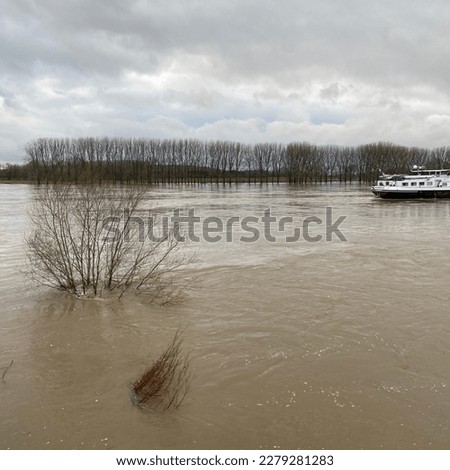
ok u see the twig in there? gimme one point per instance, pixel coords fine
(5, 370)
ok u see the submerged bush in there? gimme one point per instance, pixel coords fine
(165, 382)
(77, 244)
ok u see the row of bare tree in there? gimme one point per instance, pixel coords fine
(151, 161)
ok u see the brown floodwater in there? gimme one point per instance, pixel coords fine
(334, 344)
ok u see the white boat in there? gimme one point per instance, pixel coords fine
(421, 183)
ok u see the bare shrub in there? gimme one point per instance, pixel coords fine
(166, 382)
(84, 240)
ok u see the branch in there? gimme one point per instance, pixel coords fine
(5, 370)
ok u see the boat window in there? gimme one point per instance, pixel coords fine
(422, 183)
(444, 184)
(429, 183)
(404, 184)
(414, 183)
(381, 183)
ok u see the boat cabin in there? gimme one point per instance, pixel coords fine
(419, 177)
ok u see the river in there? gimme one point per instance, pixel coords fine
(338, 344)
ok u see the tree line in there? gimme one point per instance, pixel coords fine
(177, 161)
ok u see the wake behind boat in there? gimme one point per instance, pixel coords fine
(421, 183)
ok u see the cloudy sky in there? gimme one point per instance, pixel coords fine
(323, 71)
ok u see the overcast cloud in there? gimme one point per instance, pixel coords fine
(325, 71)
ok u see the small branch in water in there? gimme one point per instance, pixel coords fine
(5, 370)
(166, 381)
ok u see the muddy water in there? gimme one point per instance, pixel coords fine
(302, 345)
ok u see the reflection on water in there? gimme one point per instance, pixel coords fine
(306, 345)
